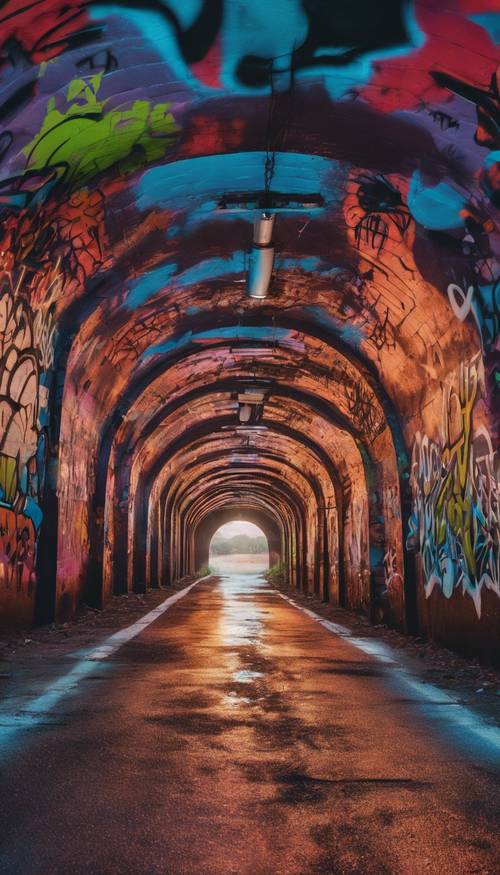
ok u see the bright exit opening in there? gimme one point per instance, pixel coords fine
(239, 546)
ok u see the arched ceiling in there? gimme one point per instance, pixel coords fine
(126, 125)
(138, 141)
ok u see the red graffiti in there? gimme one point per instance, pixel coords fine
(17, 551)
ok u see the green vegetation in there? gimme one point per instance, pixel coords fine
(238, 544)
(204, 571)
(277, 575)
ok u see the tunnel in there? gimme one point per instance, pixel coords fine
(249, 437)
(249, 267)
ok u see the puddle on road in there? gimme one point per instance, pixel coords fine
(233, 699)
(246, 677)
(241, 626)
(241, 620)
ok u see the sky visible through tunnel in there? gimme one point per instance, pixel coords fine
(243, 561)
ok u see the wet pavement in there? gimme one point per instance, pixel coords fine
(237, 734)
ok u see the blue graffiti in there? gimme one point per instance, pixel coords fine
(156, 280)
(339, 48)
(232, 333)
(349, 333)
(199, 182)
(149, 284)
(436, 208)
(490, 21)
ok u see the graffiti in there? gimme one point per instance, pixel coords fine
(101, 61)
(382, 208)
(17, 552)
(483, 303)
(382, 230)
(44, 334)
(487, 101)
(334, 38)
(48, 250)
(52, 240)
(19, 377)
(306, 35)
(443, 119)
(40, 32)
(20, 440)
(455, 522)
(358, 550)
(53, 226)
(126, 127)
(86, 140)
(392, 576)
(382, 335)
(392, 504)
(368, 416)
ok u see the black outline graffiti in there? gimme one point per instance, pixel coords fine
(383, 206)
(487, 105)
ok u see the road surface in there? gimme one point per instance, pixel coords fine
(236, 734)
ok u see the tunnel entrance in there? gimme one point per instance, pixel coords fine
(239, 546)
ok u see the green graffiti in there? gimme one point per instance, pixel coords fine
(456, 511)
(87, 140)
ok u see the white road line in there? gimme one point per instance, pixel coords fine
(114, 642)
(465, 726)
(35, 711)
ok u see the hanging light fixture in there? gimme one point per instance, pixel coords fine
(267, 201)
(250, 405)
(261, 264)
(245, 412)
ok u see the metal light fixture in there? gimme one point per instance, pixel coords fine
(250, 405)
(267, 203)
(245, 412)
(261, 256)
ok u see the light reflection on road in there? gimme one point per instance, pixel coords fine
(241, 620)
(241, 626)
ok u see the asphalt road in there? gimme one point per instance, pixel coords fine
(237, 735)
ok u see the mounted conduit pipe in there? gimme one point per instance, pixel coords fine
(261, 257)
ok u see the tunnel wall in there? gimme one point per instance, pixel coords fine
(100, 277)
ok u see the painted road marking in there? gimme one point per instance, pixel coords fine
(460, 723)
(35, 712)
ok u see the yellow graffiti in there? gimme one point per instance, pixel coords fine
(455, 520)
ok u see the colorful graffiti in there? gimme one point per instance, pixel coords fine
(17, 553)
(456, 517)
(137, 140)
(26, 356)
(392, 576)
(483, 303)
(89, 138)
(52, 241)
(26, 350)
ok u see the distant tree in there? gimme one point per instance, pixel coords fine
(239, 544)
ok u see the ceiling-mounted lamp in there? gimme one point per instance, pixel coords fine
(267, 203)
(261, 264)
(245, 412)
(250, 405)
